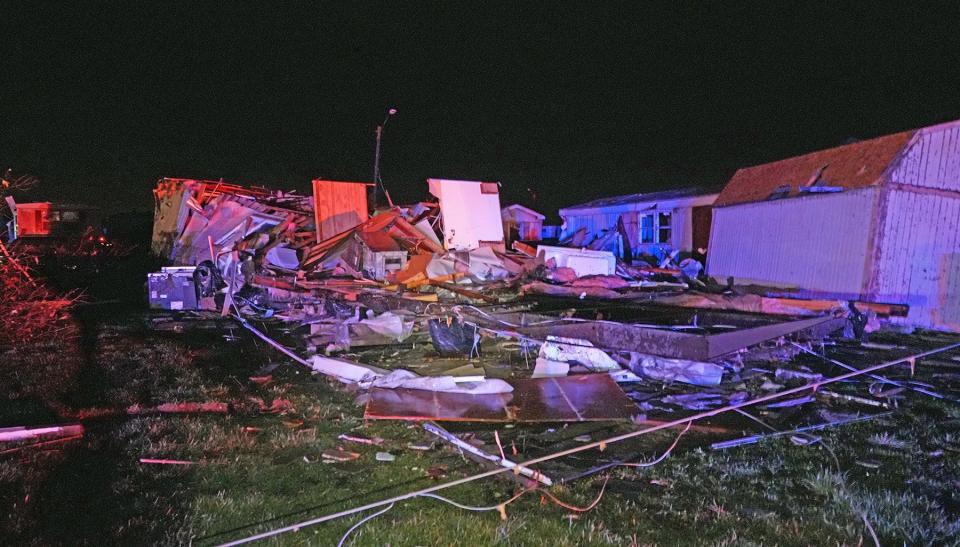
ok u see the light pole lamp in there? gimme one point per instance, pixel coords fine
(376, 155)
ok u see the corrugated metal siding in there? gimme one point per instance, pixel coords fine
(816, 242)
(932, 160)
(919, 260)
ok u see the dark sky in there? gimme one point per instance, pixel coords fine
(562, 102)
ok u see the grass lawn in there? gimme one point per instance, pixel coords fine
(254, 470)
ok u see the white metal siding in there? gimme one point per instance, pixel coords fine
(593, 222)
(932, 160)
(818, 243)
(919, 260)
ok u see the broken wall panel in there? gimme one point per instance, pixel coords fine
(169, 214)
(226, 222)
(176, 201)
(470, 212)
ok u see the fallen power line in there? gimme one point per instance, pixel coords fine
(602, 444)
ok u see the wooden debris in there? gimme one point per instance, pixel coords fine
(339, 455)
(375, 441)
(23, 433)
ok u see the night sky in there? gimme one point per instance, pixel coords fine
(562, 102)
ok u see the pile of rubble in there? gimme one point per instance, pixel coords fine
(327, 277)
(427, 313)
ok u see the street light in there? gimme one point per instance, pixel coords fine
(376, 155)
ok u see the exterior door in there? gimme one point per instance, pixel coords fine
(702, 217)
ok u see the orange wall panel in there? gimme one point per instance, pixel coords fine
(338, 206)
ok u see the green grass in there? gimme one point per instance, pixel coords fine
(95, 491)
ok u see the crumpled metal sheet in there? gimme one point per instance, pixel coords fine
(583, 398)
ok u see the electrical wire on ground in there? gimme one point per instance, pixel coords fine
(589, 446)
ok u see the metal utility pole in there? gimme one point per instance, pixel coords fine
(376, 155)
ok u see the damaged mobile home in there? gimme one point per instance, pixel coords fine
(876, 221)
(655, 223)
(50, 220)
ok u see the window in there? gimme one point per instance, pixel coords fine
(646, 229)
(655, 227)
(663, 228)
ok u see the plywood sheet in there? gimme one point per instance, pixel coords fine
(338, 206)
(583, 398)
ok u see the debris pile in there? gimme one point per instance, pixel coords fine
(336, 278)
(427, 316)
(424, 311)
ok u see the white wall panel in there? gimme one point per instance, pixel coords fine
(470, 215)
(818, 242)
(919, 257)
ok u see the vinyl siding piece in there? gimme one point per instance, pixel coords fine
(817, 242)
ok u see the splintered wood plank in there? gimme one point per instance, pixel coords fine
(583, 398)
